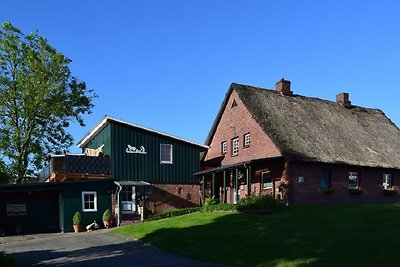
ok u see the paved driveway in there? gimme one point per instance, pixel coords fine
(99, 248)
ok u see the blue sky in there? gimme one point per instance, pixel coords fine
(167, 65)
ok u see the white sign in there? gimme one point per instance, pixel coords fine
(133, 150)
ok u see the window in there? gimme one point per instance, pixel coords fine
(387, 181)
(246, 139)
(224, 147)
(353, 180)
(325, 179)
(166, 153)
(180, 190)
(266, 180)
(89, 201)
(235, 146)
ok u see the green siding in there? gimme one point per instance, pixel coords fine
(72, 202)
(147, 167)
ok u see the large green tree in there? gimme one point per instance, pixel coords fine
(39, 98)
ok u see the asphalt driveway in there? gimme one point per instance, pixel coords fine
(99, 248)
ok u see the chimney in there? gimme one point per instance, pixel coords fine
(283, 87)
(342, 100)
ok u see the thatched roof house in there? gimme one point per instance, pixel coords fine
(313, 129)
(262, 138)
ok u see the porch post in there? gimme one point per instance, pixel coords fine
(236, 183)
(224, 185)
(202, 189)
(249, 181)
(143, 203)
(213, 185)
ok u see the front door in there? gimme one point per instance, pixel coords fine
(128, 200)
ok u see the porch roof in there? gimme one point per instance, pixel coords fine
(232, 166)
(132, 183)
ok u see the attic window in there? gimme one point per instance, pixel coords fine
(234, 104)
(235, 146)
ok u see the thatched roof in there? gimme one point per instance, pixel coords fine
(312, 129)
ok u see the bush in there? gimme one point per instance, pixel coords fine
(6, 260)
(77, 219)
(107, 215)
(327, 191)
(210, 201)
(389, 192)
(262, 203)
(356, 191)
(171, 213)
(219, 207)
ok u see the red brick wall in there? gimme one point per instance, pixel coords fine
(172, 196)
(235, 122)
(370, 182)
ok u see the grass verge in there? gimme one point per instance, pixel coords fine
(331, 235)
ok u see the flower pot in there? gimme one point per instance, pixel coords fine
(77, 228)
(107, 224)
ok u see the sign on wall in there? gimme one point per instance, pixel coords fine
(16, 209)
(133, 150)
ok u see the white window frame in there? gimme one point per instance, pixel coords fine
(84, 193)
(246, 140)
(266, 185)
(354, 176)
(224, 147)
(170, 161)
(387, 181)
(235, 146)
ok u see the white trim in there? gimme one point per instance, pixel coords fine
(83, 200)
(107, 119)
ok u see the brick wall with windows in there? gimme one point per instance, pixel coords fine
(370, 181)
(236, 121)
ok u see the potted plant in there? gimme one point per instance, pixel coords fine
(107, 218)
(77, 222)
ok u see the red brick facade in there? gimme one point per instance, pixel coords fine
(236, 121)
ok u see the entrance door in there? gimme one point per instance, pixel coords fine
(128, 199)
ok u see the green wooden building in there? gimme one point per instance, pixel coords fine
(153, 171)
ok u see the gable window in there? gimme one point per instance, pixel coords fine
(353, 180)
(224, 147)
(266, 180)
(89, 201)
(235, 146)
(166, 153)
(387, 181)
(246, 139)
(325, 179)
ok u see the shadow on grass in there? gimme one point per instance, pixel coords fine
(331, 235)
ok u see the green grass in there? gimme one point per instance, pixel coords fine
(331, 235)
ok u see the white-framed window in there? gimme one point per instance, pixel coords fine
(166, 153)
(224, 147)
(266, 180)
(353, 180)
(89, 201)
(235, 146)
(387, 181)
(246, 139)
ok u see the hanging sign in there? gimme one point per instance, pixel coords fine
(133, 150)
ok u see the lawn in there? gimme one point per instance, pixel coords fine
(330, 235)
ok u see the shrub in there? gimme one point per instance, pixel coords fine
(327, 191)
(219, 207)
(262, 203)
(107, 215)
(6, 260)
(171, 213)
(77, 219)
(211, 201)
(356, 191)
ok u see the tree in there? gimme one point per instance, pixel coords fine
(39, 98)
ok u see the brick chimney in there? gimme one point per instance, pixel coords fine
(342, 100)
(283, 87)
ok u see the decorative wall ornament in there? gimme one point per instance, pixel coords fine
(133, 150)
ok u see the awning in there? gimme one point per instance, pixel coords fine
(132, 183)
